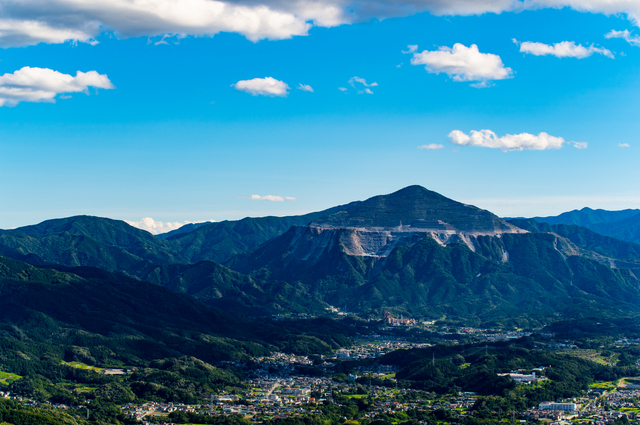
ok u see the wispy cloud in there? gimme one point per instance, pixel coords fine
(410, 49)
(270, 198)
(358, 83)
(267, 86)
(580, 145)
(564, 49)
(43, 85)
(634, 40)
(305, 87)
(158, 227)
(431, 146)
(624, 145)
(463, 63)
(510, 142)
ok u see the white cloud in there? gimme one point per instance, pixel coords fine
(362, 81)
(342, 89)
(431, 146)
(43, 85)
(270, 198)
(623, 145)
(481, 85)
(305, 87)
(29, 22)
(634, 40)
(410, 49)
(565, 49)
(354, 81)
(267, 86)
(580, 145)
(158, 227)
(463, 64)
(631, 8)
(510, 142)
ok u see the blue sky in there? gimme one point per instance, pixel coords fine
(168, 131)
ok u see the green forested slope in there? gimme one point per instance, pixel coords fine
(537, 283)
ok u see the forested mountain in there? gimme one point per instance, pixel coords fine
(627, 229)
(624, 224)
(414, 252)
(607, 250)
(220, 241)
(468, 264)
(130, 321)
(116, 246)
(587, 217)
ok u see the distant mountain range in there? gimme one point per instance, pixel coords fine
(412, 252)
(624, 224)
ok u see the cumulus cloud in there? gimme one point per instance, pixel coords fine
(580, 145)
(565, 49)
(267, 86)
(463, 64)
(630, 8)
(29, 22)
(43, 85)
(305, 87)
(431, 146)
(158, 227)
(623, 145)
(270, 198)
(634, 40)
(510, 142)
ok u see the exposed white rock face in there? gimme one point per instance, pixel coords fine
(375, 227)
(311, 242)
(379, 241)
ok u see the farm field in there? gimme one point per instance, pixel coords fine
(592, 355)
(6, 378)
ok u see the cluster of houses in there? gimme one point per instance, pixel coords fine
(392, 321)
(376, 349)
(598, 408)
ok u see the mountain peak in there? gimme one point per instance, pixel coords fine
(79, 224)
(414, 206)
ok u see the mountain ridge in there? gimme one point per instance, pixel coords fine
(413, 252)
(586, 216)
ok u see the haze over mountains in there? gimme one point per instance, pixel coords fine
(412, 252)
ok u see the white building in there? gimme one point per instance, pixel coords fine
(571, 407)
(519, 377)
